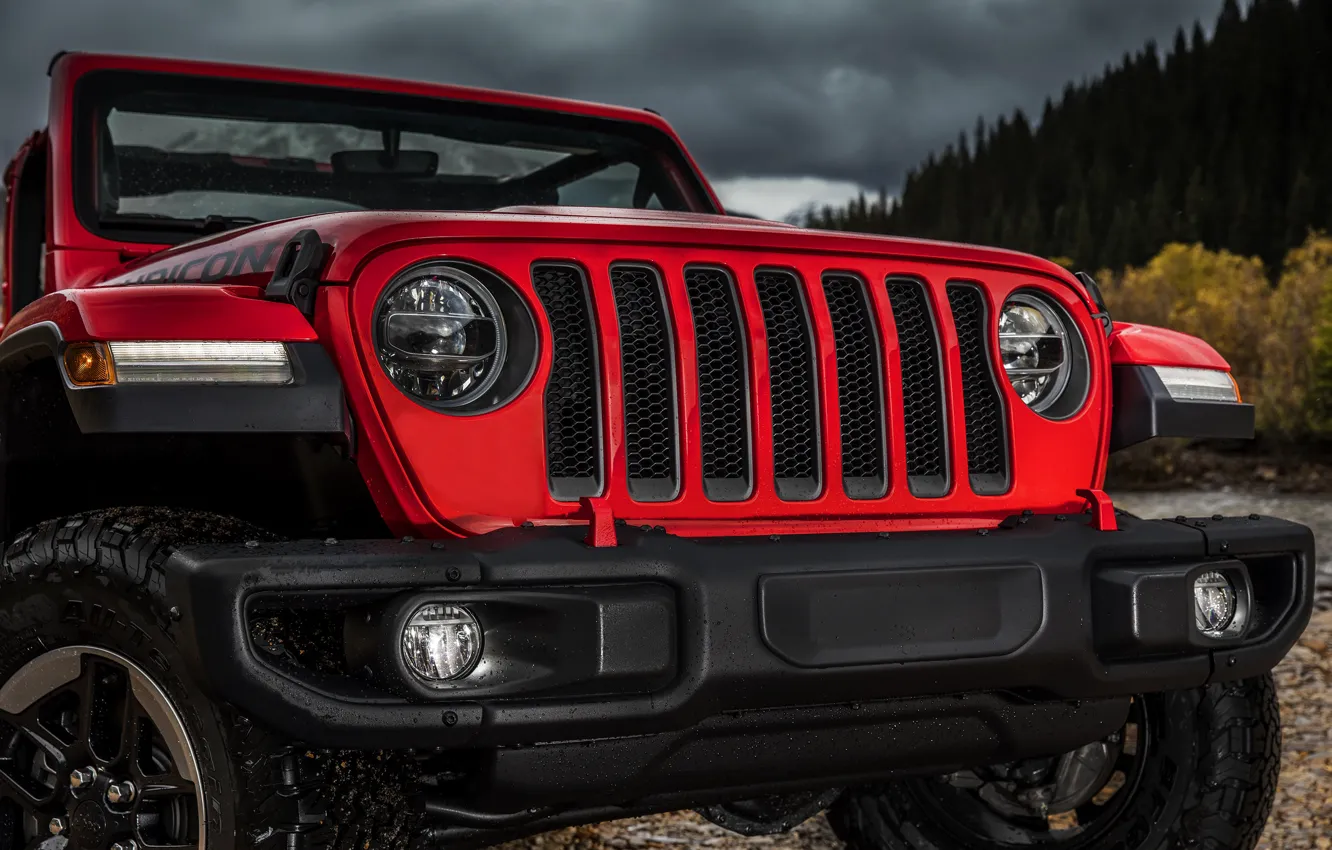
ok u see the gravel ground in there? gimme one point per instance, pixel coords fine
(1301, 819)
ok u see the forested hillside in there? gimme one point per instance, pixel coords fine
(1224, 140)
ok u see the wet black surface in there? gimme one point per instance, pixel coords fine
(1313, 511)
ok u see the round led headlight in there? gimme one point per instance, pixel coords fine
(440, 336)
(1043, 355)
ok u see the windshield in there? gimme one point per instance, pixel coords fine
(188, 155)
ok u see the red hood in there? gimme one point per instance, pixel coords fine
(248, 256)
(662, 216)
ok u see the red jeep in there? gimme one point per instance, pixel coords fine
(400, 465)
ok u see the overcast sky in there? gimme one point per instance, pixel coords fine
(784, 102)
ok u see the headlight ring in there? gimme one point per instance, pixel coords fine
(1043, 355)
(454, 337)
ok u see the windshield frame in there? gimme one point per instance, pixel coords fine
(94, 89)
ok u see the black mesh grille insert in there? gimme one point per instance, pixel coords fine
(648, 384)
(859, 387)
(987, 450)
(573, 420)
(723, 384)
(922, 388)
(795, 428)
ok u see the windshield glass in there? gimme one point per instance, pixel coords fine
(191, 154)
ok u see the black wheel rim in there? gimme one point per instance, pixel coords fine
(967, 816)
(92, 756)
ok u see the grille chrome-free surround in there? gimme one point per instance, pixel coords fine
(905, 362)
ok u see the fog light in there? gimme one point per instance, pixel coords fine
(1214, 604)
(441, 642)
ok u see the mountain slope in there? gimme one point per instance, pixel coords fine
(1224, 140)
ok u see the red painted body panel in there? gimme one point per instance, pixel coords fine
(1144, 345)
(431, 473)
(502, 457)
(165, 312)
(355, 237)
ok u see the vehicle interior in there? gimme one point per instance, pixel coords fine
(193, 155)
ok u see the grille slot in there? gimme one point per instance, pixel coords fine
(647, 366)
(794, 386)
(723, 384)
(922, 388)
(987, 440)
(573, 399)
(859, 387)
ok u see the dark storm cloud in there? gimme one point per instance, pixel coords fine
(841, 89)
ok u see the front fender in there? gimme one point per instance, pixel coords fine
(312, 403)
(1143, 406)
(1145, 345)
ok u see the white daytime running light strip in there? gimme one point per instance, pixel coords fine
(201, 363)
(1197, 384)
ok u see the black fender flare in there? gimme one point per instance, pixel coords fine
(313, 403)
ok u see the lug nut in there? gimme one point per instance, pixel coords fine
(82, 777)
(120, 792)
(127, 844)
(56, 826)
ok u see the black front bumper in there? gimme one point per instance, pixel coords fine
(851, 654)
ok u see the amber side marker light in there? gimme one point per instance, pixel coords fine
(88, 364)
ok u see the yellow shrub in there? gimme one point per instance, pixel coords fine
(1278, 340)
(1295, 395)
(1216, 295)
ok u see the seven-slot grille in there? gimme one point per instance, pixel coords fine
(724, 346)
(647, 376)
(573, 408)
(793, 384)
(987, 445)
(723, 384)
(859, 387)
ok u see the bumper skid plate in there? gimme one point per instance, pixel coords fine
(665, 664)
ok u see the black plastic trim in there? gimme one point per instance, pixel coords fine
(295, 278)
(981, 389)
(924, 339)
(880, 616)
(792, 488)
(35, 342)
(724, 663)
(616, 639)
(643, 488)
(558, 402)
(1144, 409)
(845, 341)
(1149, 610)
(741, 755)
(312, 404)
(708, 361)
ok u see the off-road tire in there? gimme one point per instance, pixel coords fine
(97, 579)
(1208, 782)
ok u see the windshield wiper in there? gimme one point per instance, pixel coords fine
(158, 221)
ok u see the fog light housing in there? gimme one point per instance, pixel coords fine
(441, 643)
(1216, 605)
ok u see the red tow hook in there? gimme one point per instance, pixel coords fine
(1102, 510)
(600, 522)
